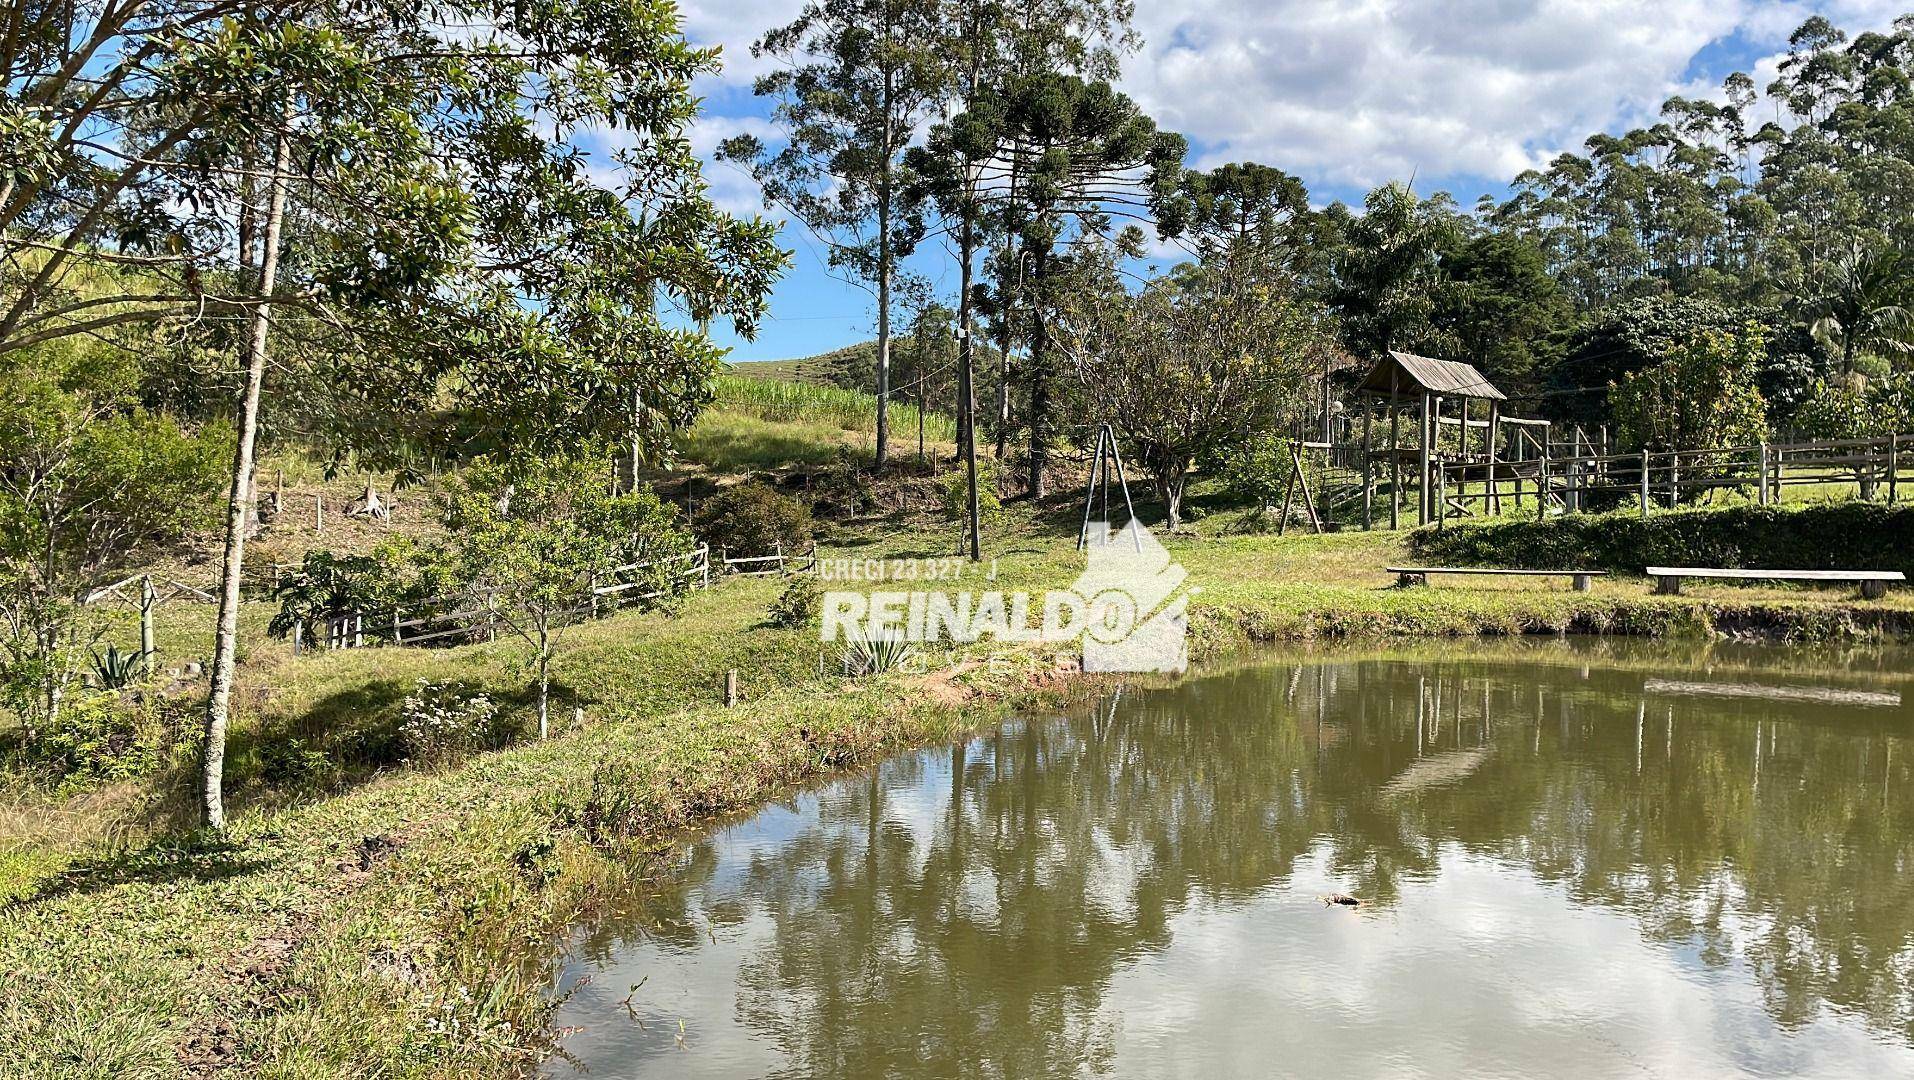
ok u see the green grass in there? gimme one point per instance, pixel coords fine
(298, 947)
(776, 399)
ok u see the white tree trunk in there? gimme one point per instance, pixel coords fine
(239, 504)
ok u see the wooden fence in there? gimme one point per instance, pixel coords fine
(1594, 481)
(474, 619)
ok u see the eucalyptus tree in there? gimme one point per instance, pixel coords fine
(858, 78)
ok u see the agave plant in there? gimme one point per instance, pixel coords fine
(873, 655)
(116, 670)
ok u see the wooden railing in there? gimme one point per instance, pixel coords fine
(1654, 479)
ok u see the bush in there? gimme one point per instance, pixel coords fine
(1837, 536)
(953, 492)
(799, 605)
(755, 519)
(108, 736)
(446, 721)
(293, 764)
(844, 486)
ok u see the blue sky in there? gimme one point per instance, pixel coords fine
(1347, 94)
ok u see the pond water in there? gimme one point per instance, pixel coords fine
(1575, 858)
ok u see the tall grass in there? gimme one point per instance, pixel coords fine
(852, 410)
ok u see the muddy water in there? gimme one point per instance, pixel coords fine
(1575, 859)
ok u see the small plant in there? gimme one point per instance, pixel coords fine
(446, 721)
(116, 670)
(953, 487)
(865, 655)
(845, 485)
(799, 605)
(295, 765)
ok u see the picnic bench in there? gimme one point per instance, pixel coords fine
(1419, 575)
(1873, 582)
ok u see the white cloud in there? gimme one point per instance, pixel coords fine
(1360, 93)
(1351, 93)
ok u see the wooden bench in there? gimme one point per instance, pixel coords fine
(1419, 575)
(1873, 582)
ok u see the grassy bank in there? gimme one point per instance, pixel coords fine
(397, 919)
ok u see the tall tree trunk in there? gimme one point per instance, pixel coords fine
(239, 503)
(884, 272)
(1003, 375)
(1039, 383)
(966, 382)
(544, 678)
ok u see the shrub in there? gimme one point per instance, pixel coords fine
(753, 518)
(799, 604)
(109, 736)
(844, 486)
(446, 721)
(953, 487)
(294, 764)
(863, 656)
(1836, 536)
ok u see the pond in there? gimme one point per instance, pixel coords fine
(1587, 858)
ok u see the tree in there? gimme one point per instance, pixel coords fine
(1498, 304)
(1389, 276)
(91, 486)
(504, 302)
(1699, 395)
(1084, 154)
(857, 79)
(1194, 365)
(531, 536)
(1864, 305)
(1246, 204)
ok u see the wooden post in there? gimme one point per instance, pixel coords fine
(1761, 478)
(318, 513)
(1395, 462)
(1368, 471)
(1494, 503)
(1893, 468)
(149, 599)
(1309, 498)
(1442, 496)
(1422, 476)
(730, 687)
(1645, 460)
(1541, 486)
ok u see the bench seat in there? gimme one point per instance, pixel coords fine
(1873, 583)
(1419, 575)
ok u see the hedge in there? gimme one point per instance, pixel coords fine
(1833, 536)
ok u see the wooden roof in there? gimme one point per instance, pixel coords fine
(1408, 373)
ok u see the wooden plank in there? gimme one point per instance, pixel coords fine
(1775, 575)
(1491, 570)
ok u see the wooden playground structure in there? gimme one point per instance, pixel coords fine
(1439, 429)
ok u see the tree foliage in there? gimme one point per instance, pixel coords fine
(1195, 365)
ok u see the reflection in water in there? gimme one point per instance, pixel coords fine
(1564, 871)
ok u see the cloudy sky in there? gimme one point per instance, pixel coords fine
(1347, 94)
